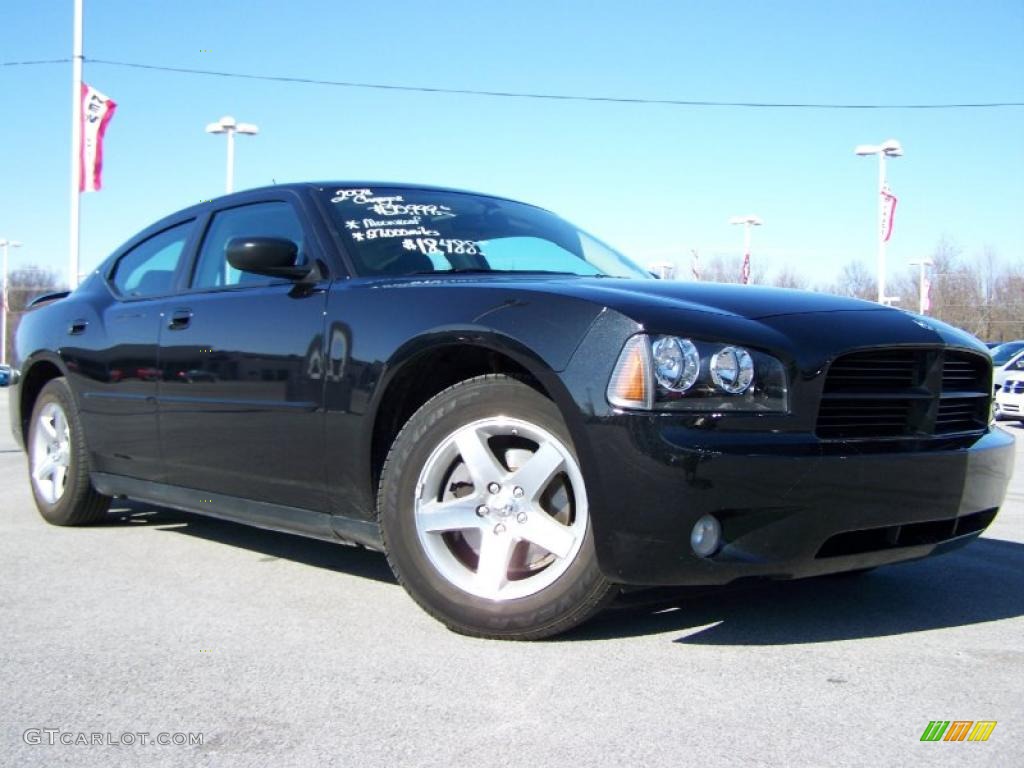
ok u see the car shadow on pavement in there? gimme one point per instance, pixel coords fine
(982, 582)
(274, 545)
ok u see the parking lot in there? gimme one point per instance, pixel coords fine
(291, 652)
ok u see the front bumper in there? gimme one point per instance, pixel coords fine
(790, 506)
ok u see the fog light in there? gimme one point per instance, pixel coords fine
(706, 536)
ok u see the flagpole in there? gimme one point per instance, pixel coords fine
(76, 145)
(881, 233)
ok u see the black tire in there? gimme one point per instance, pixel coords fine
(576, 595)
(79, 504)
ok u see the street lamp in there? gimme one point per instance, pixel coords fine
(922, 292)
(890, 148)
(747, 222)
(229, 126)
(5, 244)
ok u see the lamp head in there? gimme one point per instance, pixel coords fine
(892, 148)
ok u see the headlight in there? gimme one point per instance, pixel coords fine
(732, 370)
(676, 363)
(672, 373)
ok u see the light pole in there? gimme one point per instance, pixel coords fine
(5, 244)
(747, 222)
(229, 126)
(922, 293)
(890, 148)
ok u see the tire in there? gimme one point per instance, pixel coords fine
(438, 512)
(59, 461)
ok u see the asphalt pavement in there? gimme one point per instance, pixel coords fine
(280, 651)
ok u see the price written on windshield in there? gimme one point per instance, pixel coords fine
(426, 245)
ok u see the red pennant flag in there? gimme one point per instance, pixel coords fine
(97, 110)
(888, 212)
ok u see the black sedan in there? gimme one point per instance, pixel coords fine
(523, 420)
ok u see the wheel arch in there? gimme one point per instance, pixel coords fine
(31, 381)
(424, 368)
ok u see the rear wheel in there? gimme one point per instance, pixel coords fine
(484, 514)
(58, 461)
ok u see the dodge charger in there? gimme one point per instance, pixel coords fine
(521, 419)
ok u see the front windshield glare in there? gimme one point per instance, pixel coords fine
(417, 231)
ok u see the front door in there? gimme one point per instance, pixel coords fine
(241, 390)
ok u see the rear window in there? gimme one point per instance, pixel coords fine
(148, 269)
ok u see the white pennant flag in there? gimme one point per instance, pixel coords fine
(97, 110)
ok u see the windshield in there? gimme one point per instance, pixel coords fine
(1002, 354)
(418, 231)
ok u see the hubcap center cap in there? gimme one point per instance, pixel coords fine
(503, 504)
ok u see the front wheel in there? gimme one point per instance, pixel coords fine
(484, 514)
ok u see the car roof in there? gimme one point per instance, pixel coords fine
(319, 186)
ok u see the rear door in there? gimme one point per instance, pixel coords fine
(241, 392)
(112, 355)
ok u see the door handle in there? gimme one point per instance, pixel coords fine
(77, 327)
(180, 319)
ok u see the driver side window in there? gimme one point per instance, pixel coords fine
(275, 219)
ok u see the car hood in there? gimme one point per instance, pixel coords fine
(769, 318)
(748, 301)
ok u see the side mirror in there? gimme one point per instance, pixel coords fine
(271, 256)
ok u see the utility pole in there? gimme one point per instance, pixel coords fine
(890, 148)
(747, 222)
(229, 126)
(922, 285)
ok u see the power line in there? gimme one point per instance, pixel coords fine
(30, 63)
(526, 94)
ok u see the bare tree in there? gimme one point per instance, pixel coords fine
(787, 277)
(855, 280)
(23, 285)
(983, 296)
(729, 269)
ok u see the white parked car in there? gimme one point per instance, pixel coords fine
(1011, 369)
(1010, 399)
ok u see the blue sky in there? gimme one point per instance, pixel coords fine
(652, 180)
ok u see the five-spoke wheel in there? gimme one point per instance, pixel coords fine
(484, 513)
(501, 509)
(51, 452)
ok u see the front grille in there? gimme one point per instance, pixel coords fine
(961, 414)
(863, 418)
(965, 373)
(1014, 387)
(872, 372)
(904, 393)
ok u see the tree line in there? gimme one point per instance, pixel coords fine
(983, 295)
